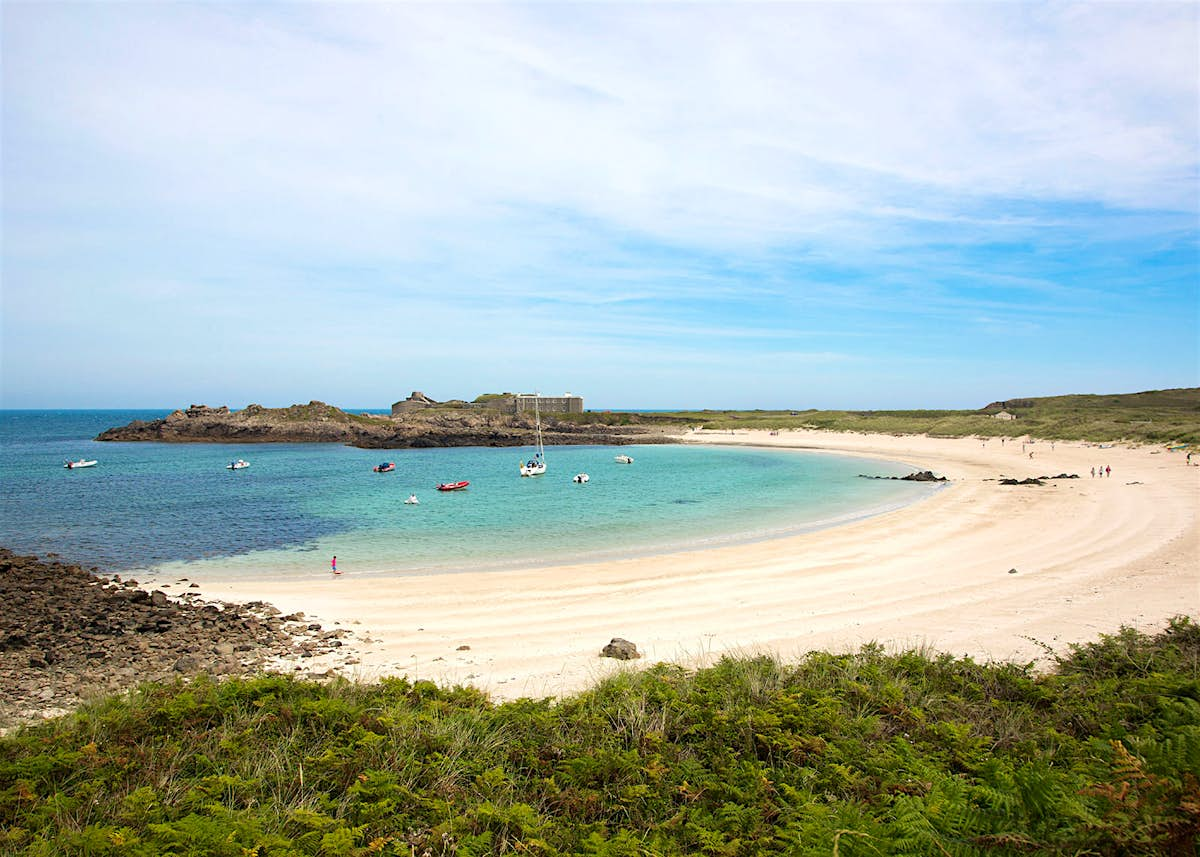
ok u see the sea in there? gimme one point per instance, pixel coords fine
(176, 507)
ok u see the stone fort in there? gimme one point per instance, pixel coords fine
(506, 403)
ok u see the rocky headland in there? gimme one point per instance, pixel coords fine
(66, 634)
(318, 422)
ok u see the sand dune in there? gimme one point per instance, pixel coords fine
(1090, 554)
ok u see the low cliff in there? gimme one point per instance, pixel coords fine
(318, 422)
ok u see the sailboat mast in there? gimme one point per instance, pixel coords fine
(537, 418)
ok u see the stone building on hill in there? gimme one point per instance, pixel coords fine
(564, 404)
(415, 402)
(506, 403)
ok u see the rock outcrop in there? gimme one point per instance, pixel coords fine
(919, 476)
(66, 634)
(318, 422)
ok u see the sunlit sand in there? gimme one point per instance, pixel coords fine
(992, 571)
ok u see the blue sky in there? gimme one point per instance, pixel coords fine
(651, 205)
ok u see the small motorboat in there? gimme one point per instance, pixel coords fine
(385, 467)
(453, 486)
(237, 465)
(624, 459)
(75, 465)
(412, 500)
(580, 478)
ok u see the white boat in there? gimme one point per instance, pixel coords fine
(412, 500)
(237, 465)
(624, 459)
(536, 466)
(580, 478)
(75, 465)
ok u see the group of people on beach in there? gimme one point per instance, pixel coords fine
(1103, 470)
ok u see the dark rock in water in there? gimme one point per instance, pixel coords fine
(621, 649)
(919, 476)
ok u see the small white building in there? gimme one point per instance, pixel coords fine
(1004, 415)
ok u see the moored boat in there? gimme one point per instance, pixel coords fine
(623, 459)
(237, 465)
(412, 500)
(536, 466)
(453, 486)
(580, 478)
(385, 467)
(75, 465)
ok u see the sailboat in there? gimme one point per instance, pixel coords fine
(536, 466)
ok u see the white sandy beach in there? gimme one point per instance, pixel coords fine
(1090, 555)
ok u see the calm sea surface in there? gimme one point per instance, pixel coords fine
(149, 504)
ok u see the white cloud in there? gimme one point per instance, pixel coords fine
(672, 174)
(734, 123)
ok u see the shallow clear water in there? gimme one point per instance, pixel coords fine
(149, 504)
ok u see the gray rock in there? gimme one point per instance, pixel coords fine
(620, 649)
(188, 664)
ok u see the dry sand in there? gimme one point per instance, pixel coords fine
(1090, 555)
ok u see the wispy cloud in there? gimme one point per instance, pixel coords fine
(686, 177)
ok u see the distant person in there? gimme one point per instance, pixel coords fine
(1108, 471)
(1093, 473)
(333, 565)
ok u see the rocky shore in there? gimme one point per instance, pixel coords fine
(66, 634)
(318, 422)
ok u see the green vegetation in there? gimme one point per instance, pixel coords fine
(1156, 416)
(622, 418)
(491, 397)
(858, 754)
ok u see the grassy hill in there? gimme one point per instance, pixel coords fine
(858, 754)
(1154, 416)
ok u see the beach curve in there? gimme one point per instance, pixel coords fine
(997, 572)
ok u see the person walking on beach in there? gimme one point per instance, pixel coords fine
(1093, 473)
(333, 565)
(1108, 471)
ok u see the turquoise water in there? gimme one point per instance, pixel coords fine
(146, 504)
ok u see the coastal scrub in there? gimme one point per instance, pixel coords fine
(854, 754)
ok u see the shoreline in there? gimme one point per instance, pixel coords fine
(1090, 555)
(284, 566)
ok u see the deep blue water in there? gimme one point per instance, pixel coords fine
(148, 504)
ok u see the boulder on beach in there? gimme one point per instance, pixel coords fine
(621, 649)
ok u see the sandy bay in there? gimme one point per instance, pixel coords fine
(1089, 555)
